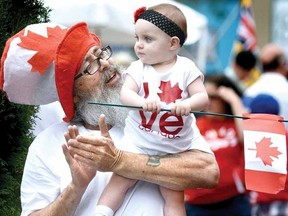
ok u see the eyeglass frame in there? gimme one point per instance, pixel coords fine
(86, 71)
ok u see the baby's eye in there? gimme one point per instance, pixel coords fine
(148, 39)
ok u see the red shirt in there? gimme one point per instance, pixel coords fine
(221, 135)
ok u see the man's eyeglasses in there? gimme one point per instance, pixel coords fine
(94, 66)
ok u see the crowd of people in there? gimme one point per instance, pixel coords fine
(105, 160)
(255, 93)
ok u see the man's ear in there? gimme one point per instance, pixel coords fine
(175, 43)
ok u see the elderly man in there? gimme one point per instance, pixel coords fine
(73, 69)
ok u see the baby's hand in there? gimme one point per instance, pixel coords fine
(181, 108)
(151, 105)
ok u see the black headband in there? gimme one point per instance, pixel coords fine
(164, 23)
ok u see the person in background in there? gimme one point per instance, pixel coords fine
(244, 69)
(264, 103)
(264, 203)
(273, 79)
(159, 79)
(225, 137)
(69, 164)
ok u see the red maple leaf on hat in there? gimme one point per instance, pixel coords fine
(169, 94)
(45, 46)
(265, 152)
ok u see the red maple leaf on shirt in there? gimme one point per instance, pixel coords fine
(45, 46)
(265, 152)
(169, 94)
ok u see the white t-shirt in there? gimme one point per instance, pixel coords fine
(161, 133)
(274, 84)
(47, 115)
(47, 174)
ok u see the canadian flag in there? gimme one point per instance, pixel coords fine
(265, 152)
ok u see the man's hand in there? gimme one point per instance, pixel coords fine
(98, 152)
(82, 173)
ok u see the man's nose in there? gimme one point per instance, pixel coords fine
(104, 64)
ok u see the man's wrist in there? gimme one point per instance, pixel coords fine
(73, 189)
(118, 159)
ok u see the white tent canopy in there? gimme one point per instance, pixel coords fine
(113, 19)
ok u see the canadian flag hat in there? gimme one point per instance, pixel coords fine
(39, 63)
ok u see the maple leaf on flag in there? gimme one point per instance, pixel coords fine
(45, 46)
(169, 94)
(266, 134)
(265, 152)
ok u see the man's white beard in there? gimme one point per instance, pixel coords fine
(90, 113)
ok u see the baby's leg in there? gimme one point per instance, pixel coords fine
(174, 202)
(113, 194)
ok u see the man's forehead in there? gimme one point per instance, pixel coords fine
(90, 52)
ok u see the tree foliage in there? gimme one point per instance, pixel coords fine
(15, 120)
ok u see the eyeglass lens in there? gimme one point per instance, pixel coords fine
(95, 65)
(105, 53)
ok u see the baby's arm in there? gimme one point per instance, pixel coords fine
(197, 101)
(129, 96)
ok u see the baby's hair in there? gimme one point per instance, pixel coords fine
(173, 13)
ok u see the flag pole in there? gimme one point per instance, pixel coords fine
(169, 110)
